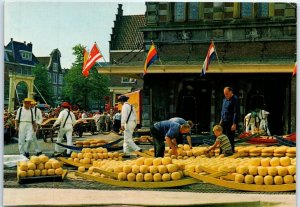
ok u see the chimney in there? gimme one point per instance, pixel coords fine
(29, 46)
(120, 10)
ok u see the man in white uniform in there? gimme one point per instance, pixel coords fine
(38, 119)
(128, 124)
(67, 120)
(25, 125)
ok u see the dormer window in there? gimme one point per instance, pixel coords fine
(26, 55)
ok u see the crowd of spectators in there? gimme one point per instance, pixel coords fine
(104, 121)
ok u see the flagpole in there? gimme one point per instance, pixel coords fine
(216, 52)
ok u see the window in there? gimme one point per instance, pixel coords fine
(128, 80)
(26, 55)
(193, 11)
(55, 67)
(246, 10)
(59, 91)
(54, 78)
(263, 10)
(55, 91)
(60, 81)
(179, 12)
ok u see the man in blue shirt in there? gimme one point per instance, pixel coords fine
(167, 131)
(230, 114)
(181, 121)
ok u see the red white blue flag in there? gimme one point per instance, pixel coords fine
(151, 57)
(211, 53)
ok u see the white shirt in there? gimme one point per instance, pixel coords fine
(25, 115)
(62, 117)
(126, 108)
(38, 115)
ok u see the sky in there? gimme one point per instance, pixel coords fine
(64, 24)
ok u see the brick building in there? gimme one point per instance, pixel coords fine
(256, 46)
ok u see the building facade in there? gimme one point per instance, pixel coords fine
(256, 48)
(55, 73)
(126, 46)
(18, 79)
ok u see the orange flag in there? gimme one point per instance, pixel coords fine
(93, 56)
(295, 69)
(85, 57)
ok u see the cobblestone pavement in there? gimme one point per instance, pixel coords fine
(10, 179)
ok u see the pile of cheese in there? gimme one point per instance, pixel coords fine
(88, 155)
(273, 151)
(39, 166)
(90, 143)
(141, 170)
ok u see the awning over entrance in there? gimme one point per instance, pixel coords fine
(136, 71)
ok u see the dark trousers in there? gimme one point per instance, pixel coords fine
(230, 134)
(158, 141)
(117, 125)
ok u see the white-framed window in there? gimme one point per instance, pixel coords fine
(55, 67)
(54, 78)
(128, 80)
(26, 55)
(60, 80)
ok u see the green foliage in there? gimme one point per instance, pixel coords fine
(42, 84)
(81, 90)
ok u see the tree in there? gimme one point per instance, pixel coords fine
(81, 90)
(43, 88)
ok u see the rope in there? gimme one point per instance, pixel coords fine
(40, 93)
(17, 94)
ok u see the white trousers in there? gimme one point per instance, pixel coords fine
(129, 145)
(35, 143)
(68, 132)
(25, 136)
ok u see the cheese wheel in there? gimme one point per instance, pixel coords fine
(122, 176)
(265, 162)
(249, 179)
(262, 170)
(166, 177)
(239, 178)
(275, 162)
(131, 177)
(282, 171)
(139, 177)
(285, 161)
(148, 177)
(272, 171)
(288, 179)
(291, 169)
(278, 180)
(268, 180)
(259, 180)
(157, 177)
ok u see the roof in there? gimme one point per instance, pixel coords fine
(126, 33)
(44, 60)
(15, 48)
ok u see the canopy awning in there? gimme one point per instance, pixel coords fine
(136, 71)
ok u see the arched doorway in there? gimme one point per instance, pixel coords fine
(20, 81)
